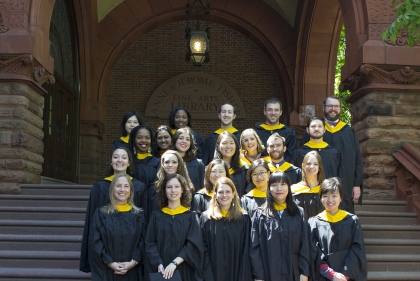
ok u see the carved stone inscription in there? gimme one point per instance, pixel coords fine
(200, 93)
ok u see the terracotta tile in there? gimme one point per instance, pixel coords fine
(159, 6)
(235, 7)
(109, 31)
(254, 11)
(141, 9)
(123, 17)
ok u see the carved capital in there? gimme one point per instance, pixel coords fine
(91, 128)
(3, 25)
(27, 66)
(368, 74)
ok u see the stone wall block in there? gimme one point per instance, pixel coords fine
(4, 89)
(397, 122)
(14, 100)
(21, 139)
(5, 138)
(379, 109)
(382, 194)
(400, 98)
(389, 171)
(33, 157)
(33, 168)
(31, 178)
(27, 91)
(9, 188)
(36, 109)
(379, 183)
(415, 110)
(402, 110)
(32, 119)
(15, 164)
(374, 171)
(381, 159)
(378, 146)
(12, 175)
(2, 163)
(394, 134)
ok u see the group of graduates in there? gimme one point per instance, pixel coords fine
(235, 207)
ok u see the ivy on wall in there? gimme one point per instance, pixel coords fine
(341, 58)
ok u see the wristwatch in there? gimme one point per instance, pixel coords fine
(175, 263)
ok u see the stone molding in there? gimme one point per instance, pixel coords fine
(368, 74)
(92, 128)
(12, 65)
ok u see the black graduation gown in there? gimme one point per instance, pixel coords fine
(331, 159)
(151, 199)
(210, 146)
(340, 245)
(347, 143)
(99, 196)
(239, 179)
(288, 133)
(294, 173)
(310, 203)
(250, 203)
(119, 143)
(200, 202)
(198, 141)
(196, 171)
(279, 246)
(227, 244)
(117, 237)
(169, 237)
(146, 169)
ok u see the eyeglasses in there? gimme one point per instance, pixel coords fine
(259, 175)
(332, 106)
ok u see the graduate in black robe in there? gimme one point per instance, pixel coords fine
(182, 142)
(273, 111)
(99, 196)
(179, 118)
(117, 235)
(336, 238)
(146, 165)
(305, 193)
(215, 170)
(226, 231)
(174, 239)
(129, 122)
(279, 236)
(258, 174)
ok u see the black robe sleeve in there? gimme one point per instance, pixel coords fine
(208, 149)
(256, 255)
(196, 171)
(200, 203)
(239, 179)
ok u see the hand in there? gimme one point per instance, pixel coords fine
(303, 278)
(161, 269)
(259, 280)
(356, 193)
(117, 267)
(169, 271)
(126, 266)
(339, 277)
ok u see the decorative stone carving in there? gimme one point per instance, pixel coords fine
(380, 11)
(401, 39)
(368, 74)
(27, 66)
(3, 26)
(12, 14)
(91, 128)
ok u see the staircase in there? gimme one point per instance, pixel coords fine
(392, 240)
(40, 233)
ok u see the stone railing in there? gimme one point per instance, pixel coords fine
(408, 177)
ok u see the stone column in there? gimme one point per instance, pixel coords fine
(90, 151)
(21, 101)
(385, 108)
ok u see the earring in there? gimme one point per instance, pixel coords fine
(149, 150)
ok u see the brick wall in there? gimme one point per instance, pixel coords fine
(160, 55)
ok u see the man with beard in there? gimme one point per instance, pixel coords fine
(344, 139)
(272, 112)
(330, 156)
(226, 116)
(276, 149)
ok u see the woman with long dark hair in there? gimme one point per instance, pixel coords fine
(162, 140)
(279, 235)
(129, 121)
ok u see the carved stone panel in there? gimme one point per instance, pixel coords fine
(200, 93)
(13, 14)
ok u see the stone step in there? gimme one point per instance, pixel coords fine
(391, 231)
(41, 227)
(40, 259)
(42, 213)
(393, 262)
(393, 275)
(50, 274)
(392, 246)
(43, 200)
(55, 189)
(381, 206)
(37, 242)
(370, 217)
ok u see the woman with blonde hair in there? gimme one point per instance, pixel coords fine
(226, 232)
(305, 193)
(117, 233)
(251, 146)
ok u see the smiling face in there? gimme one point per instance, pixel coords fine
(217, 171)
(260, 177)
(272, 113)
(121, 191)
(332, 109)
(174, 190)
(120, 161)
(224, 196)
(143, 141)
(331, 201)
(316, 129)
(180, 119)
(183, 143)
(170, 164)
(131, 123)
(250, 143)
(227, 147)
(163, 140)
(279, 191)
(311, 166)
(275, 148)
(227, 115)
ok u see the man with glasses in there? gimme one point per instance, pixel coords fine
(276, 148)
(343, 137)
